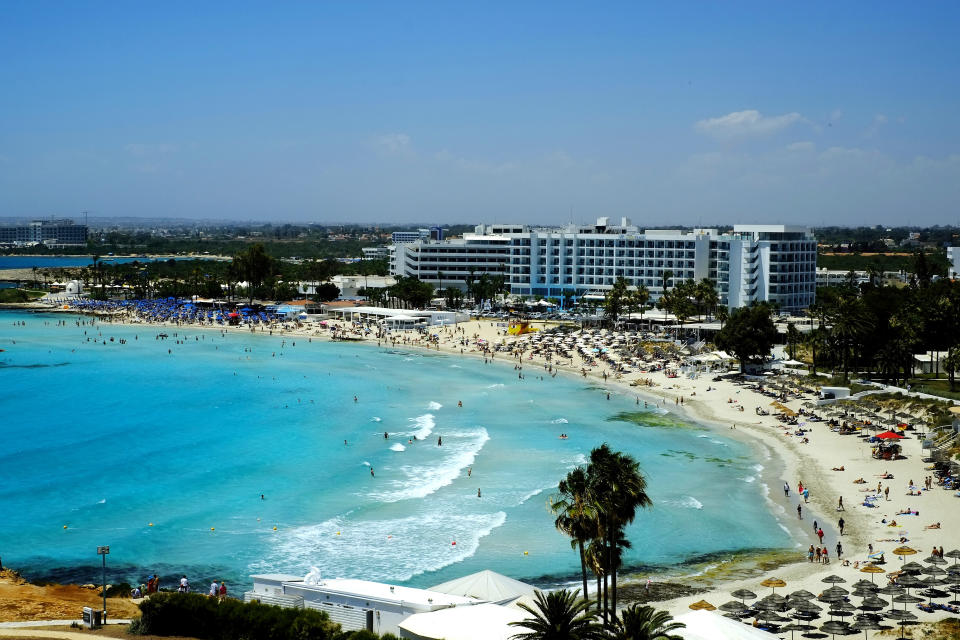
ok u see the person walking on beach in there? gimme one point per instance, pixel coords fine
(810, 554)
(840, 504)
(799, 508)
(840, 524)
(886, 492)
(820, 535)
(786, 489)
(184, 585)
(806, 494)
(214, 589)
(839, 549)
(223, 590)
(815, 527)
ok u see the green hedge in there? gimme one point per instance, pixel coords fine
(199, 616)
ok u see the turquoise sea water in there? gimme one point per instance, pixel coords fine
(109, 438)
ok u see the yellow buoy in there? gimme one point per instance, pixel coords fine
(274, 528)
(212, 529)
(338, 533)
(64, 526)
(150, 525)
(526, 553)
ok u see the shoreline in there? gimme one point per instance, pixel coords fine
(783, 458)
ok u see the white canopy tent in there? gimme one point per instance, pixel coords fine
(477, 622)
(487, 585)
(707, 625)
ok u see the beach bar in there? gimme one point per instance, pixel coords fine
(398, 318)
(354, 604)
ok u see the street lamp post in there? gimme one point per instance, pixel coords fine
(103, 551)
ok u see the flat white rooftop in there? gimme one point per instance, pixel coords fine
(387, 592)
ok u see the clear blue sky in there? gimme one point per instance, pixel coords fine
(685, 113)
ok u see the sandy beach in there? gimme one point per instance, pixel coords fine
(810, 459)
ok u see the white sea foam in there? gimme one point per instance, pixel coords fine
(434, 406)
(498, 385)
(455, 366)
(559, 421)
(396, 446)
(103, 501)
(366, 464)
(535, 493)
(423, 426)
(375, 419)
(687, 502)
(395, 549)
(460, 449)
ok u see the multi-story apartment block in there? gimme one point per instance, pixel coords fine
(775, 263)
(49, 232)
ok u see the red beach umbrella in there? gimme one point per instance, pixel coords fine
(889, 435)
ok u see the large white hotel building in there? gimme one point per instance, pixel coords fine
(775, 263)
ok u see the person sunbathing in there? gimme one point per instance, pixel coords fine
(886, 475)
(859, 481)
(892, 523)
(908, 512)
(935, 525)
(840, 468)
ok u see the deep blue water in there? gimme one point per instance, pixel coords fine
(103, 440)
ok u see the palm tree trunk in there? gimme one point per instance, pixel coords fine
(612, 554)
(583, 570)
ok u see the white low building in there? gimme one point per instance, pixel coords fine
(354, 604)
(399, 318)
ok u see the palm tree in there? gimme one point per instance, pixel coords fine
(575, 514)
(849, 321)
(793, 339)
(619, 489)
(645, 623)
(559, 615)
(706, 296)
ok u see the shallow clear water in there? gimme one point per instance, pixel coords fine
(109, 438)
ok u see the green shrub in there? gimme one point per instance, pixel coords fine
(199, 616)
(136, 628)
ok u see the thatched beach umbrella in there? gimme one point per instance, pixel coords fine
(902, 616)
(935, 560)
(702, 605)
(873, 603)
(912, 567)
(773, 583)
(864, 584)
(865, 624)
(910, 581)
(744, 594)
(834, 591)
(934, 570)
(903, 551)
(833, 579)
(872, 569)
(803, 594)
(834, 627)
(842, 605)
(955, 554)
(734, 606)
(907, 598)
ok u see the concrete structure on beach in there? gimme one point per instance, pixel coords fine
(771, 263)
